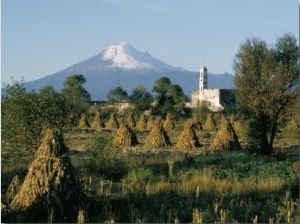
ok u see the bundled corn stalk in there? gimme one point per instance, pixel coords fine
(125, 137)
(197, 123)
(112, 122)
(210, 124)
(293, 124)
(231, 119)
(169, 124)
(237, 126)
(150, 122)
(158, 137)
(188, 138)
(83, 122)
(121, 122)
(52, 181)
(226, 138)
(98, 123)
(158, 121)
(12, 190)
(142, 123)
(130, 121)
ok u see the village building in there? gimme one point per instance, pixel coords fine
(215, 99)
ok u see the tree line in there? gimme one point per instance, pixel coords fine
(25, 114)
(266, 77)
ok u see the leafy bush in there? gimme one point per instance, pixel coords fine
(138, 177)
(25, 114)
(105, 112)
(104, 162)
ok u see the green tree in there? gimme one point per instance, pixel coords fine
(202, 111)
(25, 114)
(54, 108)
(117, 95)
(267, 85)
(168, 98)
(141, 98)
(78, 98)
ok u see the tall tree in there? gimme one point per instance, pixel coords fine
(77, 96)
(168, 98)
(141, 98)
(25, 114)
(267, 85)
(117, 95)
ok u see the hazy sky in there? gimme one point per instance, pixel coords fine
(41, 37)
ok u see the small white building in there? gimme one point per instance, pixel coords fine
(216, 99)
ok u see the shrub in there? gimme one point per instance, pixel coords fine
(138, 177)
(106, 112)
(104, 162)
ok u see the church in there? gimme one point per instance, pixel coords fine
(215, 99)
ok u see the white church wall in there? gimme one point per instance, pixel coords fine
(213, 97)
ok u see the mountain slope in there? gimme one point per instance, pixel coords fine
(122, 65)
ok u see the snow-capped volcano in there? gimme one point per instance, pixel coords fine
(122, 65)
(124, 56)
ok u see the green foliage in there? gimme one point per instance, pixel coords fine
(104, 162)
(116, 95)
(77, 97)
(267, 85)
(105, 112)
(25, 114)
(241, 165)
(202, 111)
(141, 99)
(169, 98)
(138, 177)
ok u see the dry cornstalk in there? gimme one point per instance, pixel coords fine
(158, 137)
(125, 137)
(169, 124)
(130, 121)
(226, 138)
(83, 122)
(142, 123)
(112, 122)
(12, 189)
(188, 138)
(51, 180)
(210, 124)
(98, 123)
(197, 123)
(151, 122)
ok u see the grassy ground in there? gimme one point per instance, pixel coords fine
(144, 184)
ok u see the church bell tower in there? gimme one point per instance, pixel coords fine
(202, 83)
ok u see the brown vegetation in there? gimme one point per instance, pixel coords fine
(142, 123)
(12, 190)
(125, 137)
(197, 123)
(168, 123)
(112, 122)
(98, 123)
(210, 123)
(158, 137)
(188, 139)
(150, 122)
(226, 137)
(130, 121)
(51, 179)
(83, 122)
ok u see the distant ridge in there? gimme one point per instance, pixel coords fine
(122, 65)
